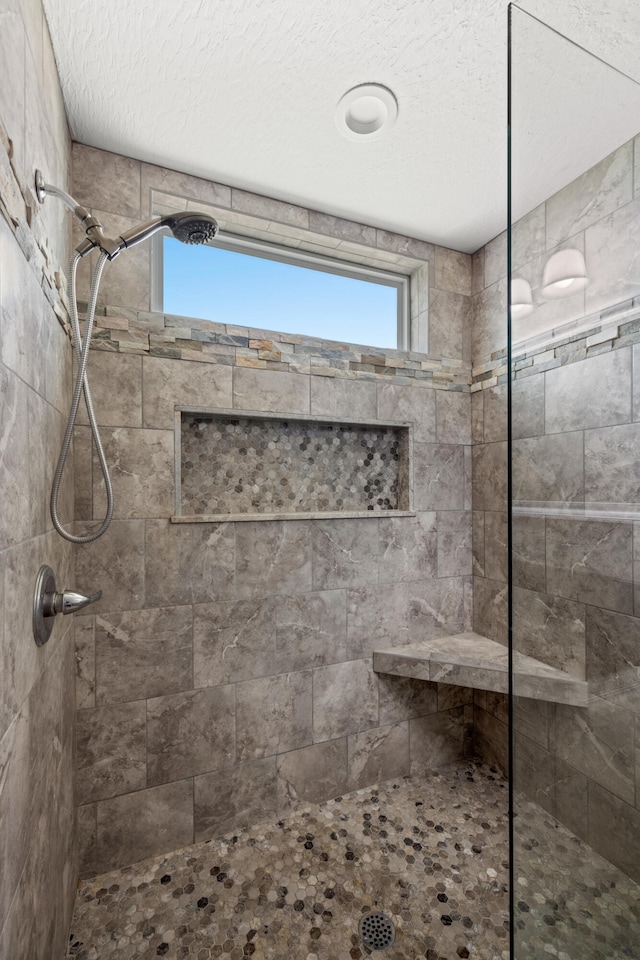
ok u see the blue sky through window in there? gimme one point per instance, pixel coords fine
(229, 287)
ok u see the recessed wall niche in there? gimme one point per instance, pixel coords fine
(257, 467)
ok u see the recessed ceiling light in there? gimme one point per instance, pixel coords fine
(366, 112)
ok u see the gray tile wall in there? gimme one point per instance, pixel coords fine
(575, 453)
(38, 856)
(227, 672)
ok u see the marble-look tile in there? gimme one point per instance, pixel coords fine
(273, 558)
(408, 548)
(189, 563)
(273, 715)
(46, 432)
(237, 798)
(449, 325)
(436, 608)
(114, 564)
(453, 417)
(614, 829)
(180, 184)
(233, 640)
(167, 382)
(489, 330)
(377, 618)
(534, 772)
(191, 733)
(453, 271)
(452, 695)
(612, 657)
(599, 742)
(438, 472)
(141, 464)
(106, 181)
(572, 403)
(528, 558)
(87, 840)
(378, 755)
(345, 399)
(269, 209)
(18, 775)
(409, 404)
(490, 609)
(532, 719)
(490, 477)
(85, 658)
(591, 561)
(22, 309)
(496, 565)
(477, 271)
(83, 474)
(612, 247)
(549, 468)
(111, 751)
(343, 229)
(491, 740)
(477, 417)
(527, 410)
(115, 381)
(612, 464)
(454, 543)
(14, 466)
(636, 371)
(436, 740)
(587, 199)
(408, 246)
(345, 699)
(495, 413)
(345, 553)
(477, 535)
(125, 281)
(311, 630)
(312, 775)
(495, 259)
(528, 237)
(144, 824)
(550, 629)
(143, 653)
(270, 391)
(403, 698)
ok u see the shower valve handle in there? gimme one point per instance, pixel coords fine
(69, 601)
(47, 602)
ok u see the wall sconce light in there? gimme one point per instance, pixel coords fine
(521, 299)
(565, 273)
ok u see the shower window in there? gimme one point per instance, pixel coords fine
(255, 284)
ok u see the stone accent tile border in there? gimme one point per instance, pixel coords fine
(612, 329)
(183, 338)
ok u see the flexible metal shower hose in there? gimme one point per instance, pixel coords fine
(81, 385)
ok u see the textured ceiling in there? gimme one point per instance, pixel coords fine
(244, 92)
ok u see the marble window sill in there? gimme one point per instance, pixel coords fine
(470, 660)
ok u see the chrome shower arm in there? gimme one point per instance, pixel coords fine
(49, 189)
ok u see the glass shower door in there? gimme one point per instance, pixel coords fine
(574, 361)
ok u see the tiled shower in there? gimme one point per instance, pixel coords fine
(223, 687)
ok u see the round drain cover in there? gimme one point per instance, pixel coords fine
(377, 930)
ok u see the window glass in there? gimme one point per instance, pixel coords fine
(234, 287)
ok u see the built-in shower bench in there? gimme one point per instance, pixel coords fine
(471, 660)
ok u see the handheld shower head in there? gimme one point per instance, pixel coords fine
(193, 227)
(187, 227)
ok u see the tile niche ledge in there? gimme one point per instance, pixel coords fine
(319, 515)
(471, 660)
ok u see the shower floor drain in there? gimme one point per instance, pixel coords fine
(377, 931)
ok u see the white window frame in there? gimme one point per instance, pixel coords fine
(296, 257)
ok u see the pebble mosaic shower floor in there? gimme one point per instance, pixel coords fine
(430, 853)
